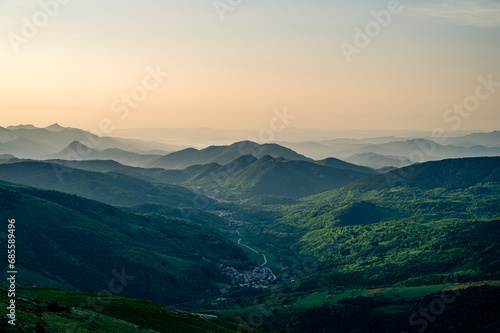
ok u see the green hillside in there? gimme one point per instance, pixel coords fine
(111, 188)
(53, 310)
(385, 241)
(450, 174)
(248, 176)
(69, 242)
(400, 235)
(281, 177)
(375, 256)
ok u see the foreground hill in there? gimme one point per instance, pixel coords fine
(53, 310)
(69, 242)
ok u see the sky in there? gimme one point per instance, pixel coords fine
(233, 64)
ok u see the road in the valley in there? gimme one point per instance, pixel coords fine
(262, 254)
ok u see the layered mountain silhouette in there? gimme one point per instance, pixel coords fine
(77, 151)
(58, 142)
(38, 142)
(354, 150)
(378, 161)
(242, 178)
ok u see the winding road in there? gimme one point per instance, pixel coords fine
(267, 269)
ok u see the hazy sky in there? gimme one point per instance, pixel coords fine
(264, 54)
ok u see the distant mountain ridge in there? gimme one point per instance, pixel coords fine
(378, 161)
(77, 151)
(55, 137)
(471, 145)
(57, 142)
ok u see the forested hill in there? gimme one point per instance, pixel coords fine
(68, 242)
(111, 188)
(450, 174)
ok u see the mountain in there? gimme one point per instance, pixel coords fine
(370, 245)
(77, 151)
(420, 149)
(223, 155)
(24, 148)
(423, 150)
(339, 164)
(6, 135)
(58, 137)
(94, 165)
(314, 150)
(111, 188)
(450, 174)
(366, 140)
(491, 139)
(6, 157)
(55, 128)
(340, 147)
(244, 177)
(28, 127)
(77, 244)
(377, 161)
(248, 176)
(442, 221)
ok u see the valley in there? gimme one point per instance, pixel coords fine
(230, 166)
(254, 238)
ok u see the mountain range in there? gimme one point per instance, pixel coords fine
(230, 230)
(28, 141)
(390, 150)
(57, 142)
(242, 178)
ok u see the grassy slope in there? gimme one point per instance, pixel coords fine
(90, 312)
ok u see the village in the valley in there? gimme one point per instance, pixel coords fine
(260, 277)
